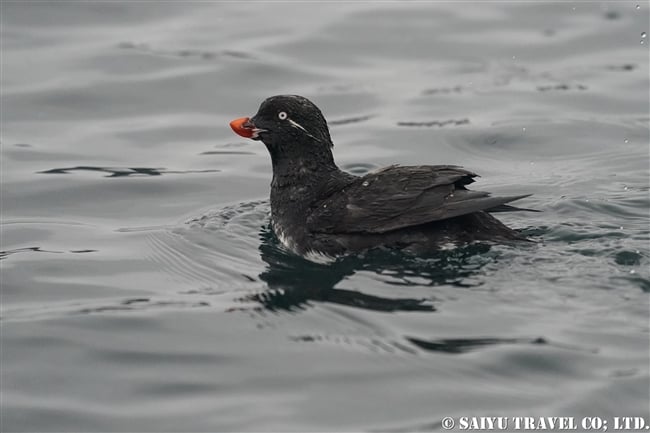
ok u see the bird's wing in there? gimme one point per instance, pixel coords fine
(397, 197)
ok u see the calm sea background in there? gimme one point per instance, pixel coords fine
(143, 291)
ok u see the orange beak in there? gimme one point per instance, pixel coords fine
(243, 127)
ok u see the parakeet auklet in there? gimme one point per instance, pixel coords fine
(321, 212)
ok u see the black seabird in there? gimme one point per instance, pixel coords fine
(320, 212)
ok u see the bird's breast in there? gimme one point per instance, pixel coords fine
(284, 235)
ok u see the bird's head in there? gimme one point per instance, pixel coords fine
(290, 126)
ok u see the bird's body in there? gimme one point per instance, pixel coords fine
(319, 211)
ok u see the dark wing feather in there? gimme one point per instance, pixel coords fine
(396, 197)
(508, 208)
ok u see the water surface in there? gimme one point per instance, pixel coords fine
(143, 291)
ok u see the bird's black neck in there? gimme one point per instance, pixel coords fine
(301, 180)
(302, 170)
(292, 165)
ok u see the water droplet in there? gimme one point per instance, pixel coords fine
(523, 129)
(644, 35)
(514, 57)
(325, 206)
(636, 251)
(532, 163)
(587, 200)
(365, 183)
(574, 8)
(632, 271)
(625, 187)
(642, 42)
(638, 7)
(620, 228)
(626, 141)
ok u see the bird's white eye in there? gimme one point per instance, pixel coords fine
(282, 115)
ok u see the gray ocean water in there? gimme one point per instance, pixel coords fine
(143, 291)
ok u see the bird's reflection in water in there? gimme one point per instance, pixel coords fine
(295, 282)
